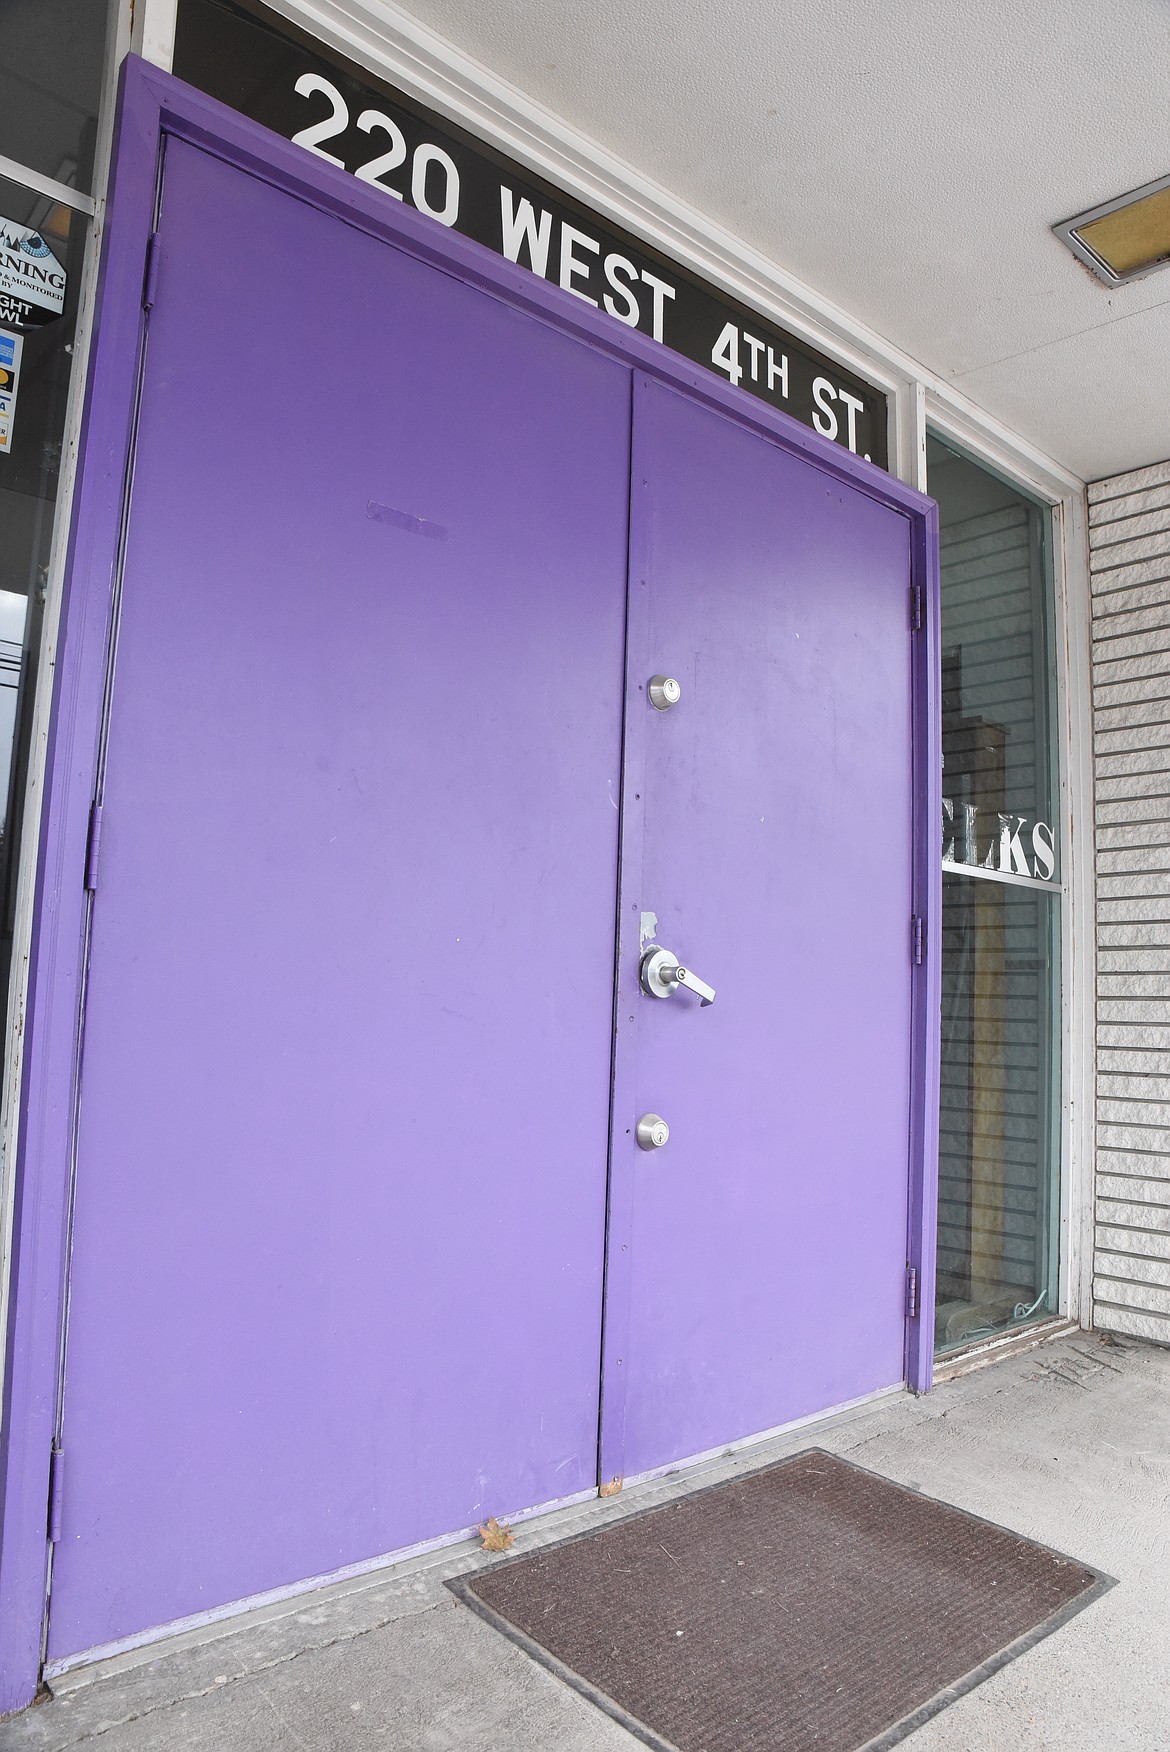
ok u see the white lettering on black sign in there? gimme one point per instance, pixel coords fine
(32, 280)
(264, 67)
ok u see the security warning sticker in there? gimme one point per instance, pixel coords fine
(11, 347)
(32, 280)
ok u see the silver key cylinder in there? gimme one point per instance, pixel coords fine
(651, 1131)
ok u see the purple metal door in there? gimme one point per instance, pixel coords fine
(758, 1261)
(340, 1186)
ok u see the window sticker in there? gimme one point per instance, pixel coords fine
(11, 347)
(32, 280)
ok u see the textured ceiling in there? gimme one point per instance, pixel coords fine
(905, 160)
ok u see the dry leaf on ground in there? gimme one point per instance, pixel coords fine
(494, 1537)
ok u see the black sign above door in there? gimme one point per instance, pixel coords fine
(278, 75)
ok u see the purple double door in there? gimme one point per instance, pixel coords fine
(386, 812)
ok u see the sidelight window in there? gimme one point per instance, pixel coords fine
(52, 56)
(999, 1138)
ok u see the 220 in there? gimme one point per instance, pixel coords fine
(428, 164)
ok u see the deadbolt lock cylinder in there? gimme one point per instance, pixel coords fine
(664, 692)
(651, 1131)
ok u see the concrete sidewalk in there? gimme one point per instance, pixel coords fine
(1068, 1443)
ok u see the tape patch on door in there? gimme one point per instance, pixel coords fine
(403, 520)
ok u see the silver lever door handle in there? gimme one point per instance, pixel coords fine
(661, 974)
(705, 993)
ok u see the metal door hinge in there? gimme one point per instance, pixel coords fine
(916, 939)
(93, 846)
(56, 1489)
(917, 613)
(150, 279)
(912, 1292)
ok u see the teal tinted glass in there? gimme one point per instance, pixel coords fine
(998, 1225)
(998, 683)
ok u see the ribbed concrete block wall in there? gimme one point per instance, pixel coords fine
(1129, 538)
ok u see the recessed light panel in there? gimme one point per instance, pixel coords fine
(1123, 239)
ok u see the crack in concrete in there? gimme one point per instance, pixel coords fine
(967, 1415)
(1097, 1362)
(287, 1726)
(234, 1679)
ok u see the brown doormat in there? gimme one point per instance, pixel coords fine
(808, 1605)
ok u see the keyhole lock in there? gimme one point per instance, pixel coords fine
(651, 1131)
(664, 692)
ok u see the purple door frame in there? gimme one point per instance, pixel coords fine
(152, 104)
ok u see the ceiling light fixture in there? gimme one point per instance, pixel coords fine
(1122, 239)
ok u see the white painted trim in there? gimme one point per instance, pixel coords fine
(118, 43)
(1074, 633)
(1078, 936)
(46, 185)
(256, 1603)
(910, 417)
(726, 1450)
(154, 31)
(997, 445)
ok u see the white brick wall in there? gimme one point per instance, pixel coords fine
(1129, 537)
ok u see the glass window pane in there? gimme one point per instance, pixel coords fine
(51, 57)
(997, 1261)
(999, 771)
(36, 357)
